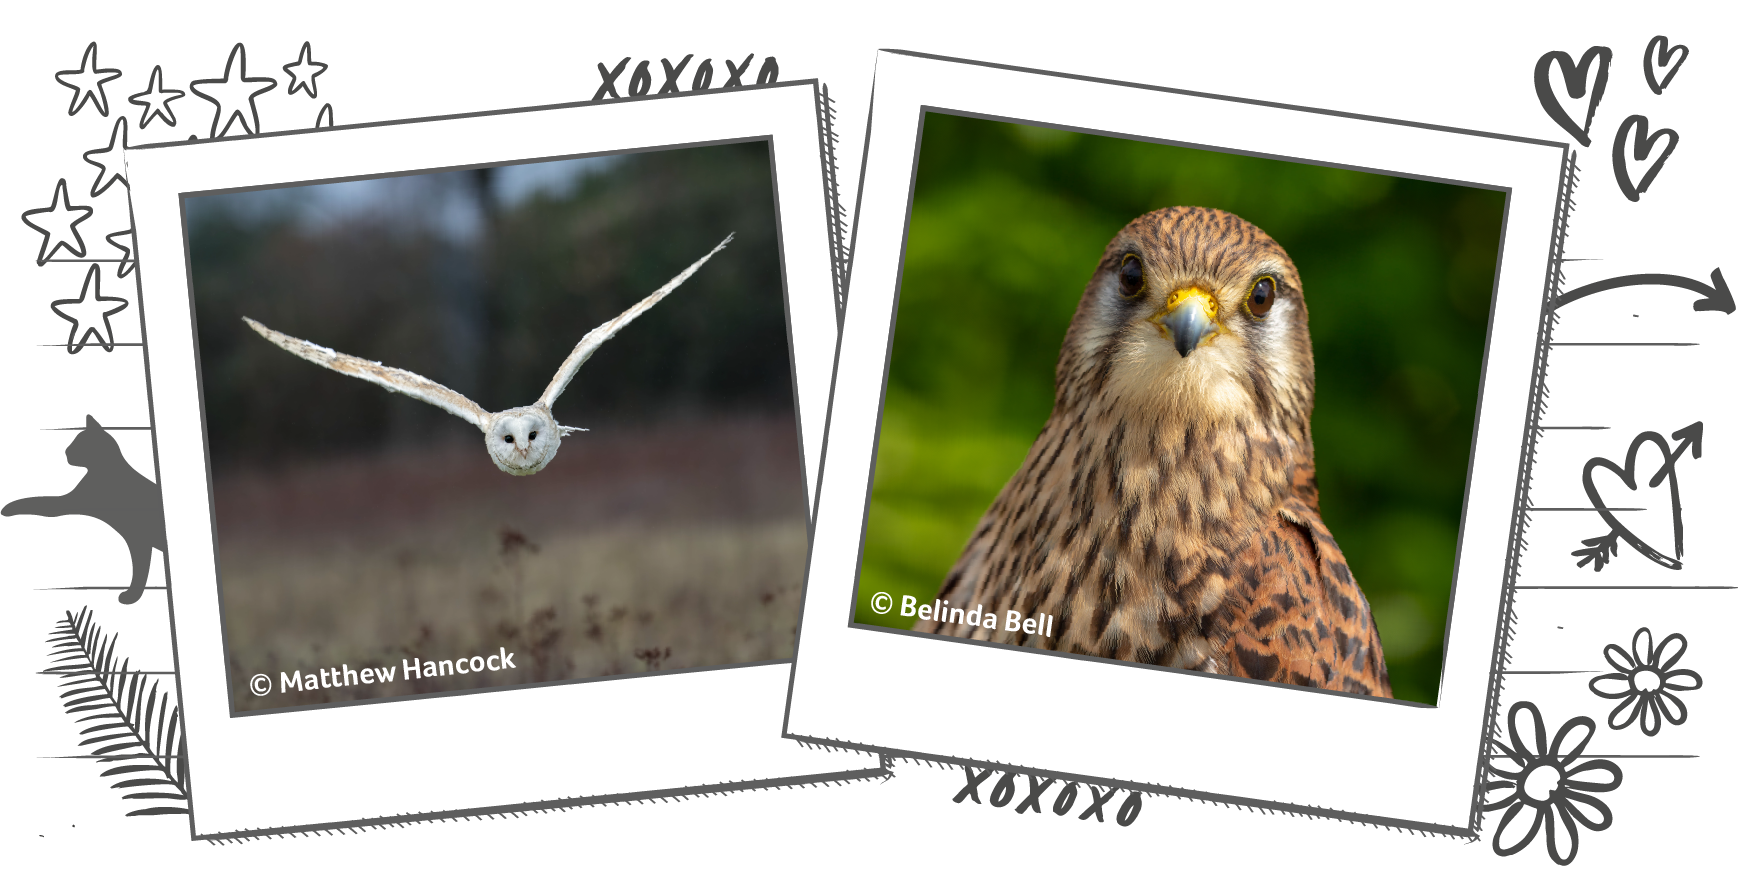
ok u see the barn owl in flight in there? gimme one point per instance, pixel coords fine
(521, 440)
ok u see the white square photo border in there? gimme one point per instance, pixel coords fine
(1147, 727)
(543, 745)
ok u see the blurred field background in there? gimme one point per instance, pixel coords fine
(1007, 223)
(357, 526)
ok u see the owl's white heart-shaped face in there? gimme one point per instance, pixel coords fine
(522, 440)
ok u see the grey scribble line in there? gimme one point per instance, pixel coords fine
(1559, 757)
(1549, 714)
(303, 59)
(86, 91)
(101, 757)
(1394, 49)
(1596, 714)
(237, 52)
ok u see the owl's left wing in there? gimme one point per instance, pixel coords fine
(595, 338)
(1305, 622)
(396, 380)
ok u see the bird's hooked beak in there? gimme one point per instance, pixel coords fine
(1189, 319)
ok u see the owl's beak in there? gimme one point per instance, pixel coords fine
(1190, 318)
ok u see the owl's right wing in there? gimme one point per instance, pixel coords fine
(595, 338)
(396, 380)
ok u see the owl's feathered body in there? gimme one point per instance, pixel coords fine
(1167, 512)
(521, 440)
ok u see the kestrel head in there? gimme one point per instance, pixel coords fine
(522, 440)
(1193, 314)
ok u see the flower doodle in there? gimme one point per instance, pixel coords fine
(1548, 789)
(1650, 721)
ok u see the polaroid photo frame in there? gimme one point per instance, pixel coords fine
(542, 745)
(1147, 727)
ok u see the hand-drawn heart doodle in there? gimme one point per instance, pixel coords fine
(1575, 81)
(1659, 54)
(1601, 549)
(1644, 145)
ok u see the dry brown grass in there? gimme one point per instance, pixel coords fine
(674, 547)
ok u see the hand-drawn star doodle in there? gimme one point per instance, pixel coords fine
(156, 100)
(89, 313)
(110, 162)
(58, 225)
(303, 72)
(87, 82)
(233, 94)
(124, 241)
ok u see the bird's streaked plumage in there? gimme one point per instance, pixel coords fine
(520, 440)
(1167, 512)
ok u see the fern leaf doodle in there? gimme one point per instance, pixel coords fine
(146, 749)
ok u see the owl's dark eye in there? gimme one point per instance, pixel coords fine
(508, 439)
(1260, 299)
(533, 434)
(1129, 276)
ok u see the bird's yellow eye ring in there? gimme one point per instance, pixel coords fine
(1261, 296)
(1131, 278)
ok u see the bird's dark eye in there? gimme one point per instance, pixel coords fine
(508, 439)
(1129, 276)
(1260, 299)
(533, 434)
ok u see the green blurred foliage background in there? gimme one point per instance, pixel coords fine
(1007, 223)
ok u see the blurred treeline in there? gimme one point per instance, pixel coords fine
(1007, 223)
(490, 306)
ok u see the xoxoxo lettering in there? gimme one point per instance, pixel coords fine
(640, 80)
(1002, 794)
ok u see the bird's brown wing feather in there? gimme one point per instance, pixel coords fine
(1306, 622)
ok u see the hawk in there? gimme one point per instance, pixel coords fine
(1167, 512)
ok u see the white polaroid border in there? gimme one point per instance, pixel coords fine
(535, 746)
(1146, 727)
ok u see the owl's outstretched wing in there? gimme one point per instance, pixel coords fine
(595, 338)
(396, 380)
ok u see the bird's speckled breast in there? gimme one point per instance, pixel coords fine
(1124, 533)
